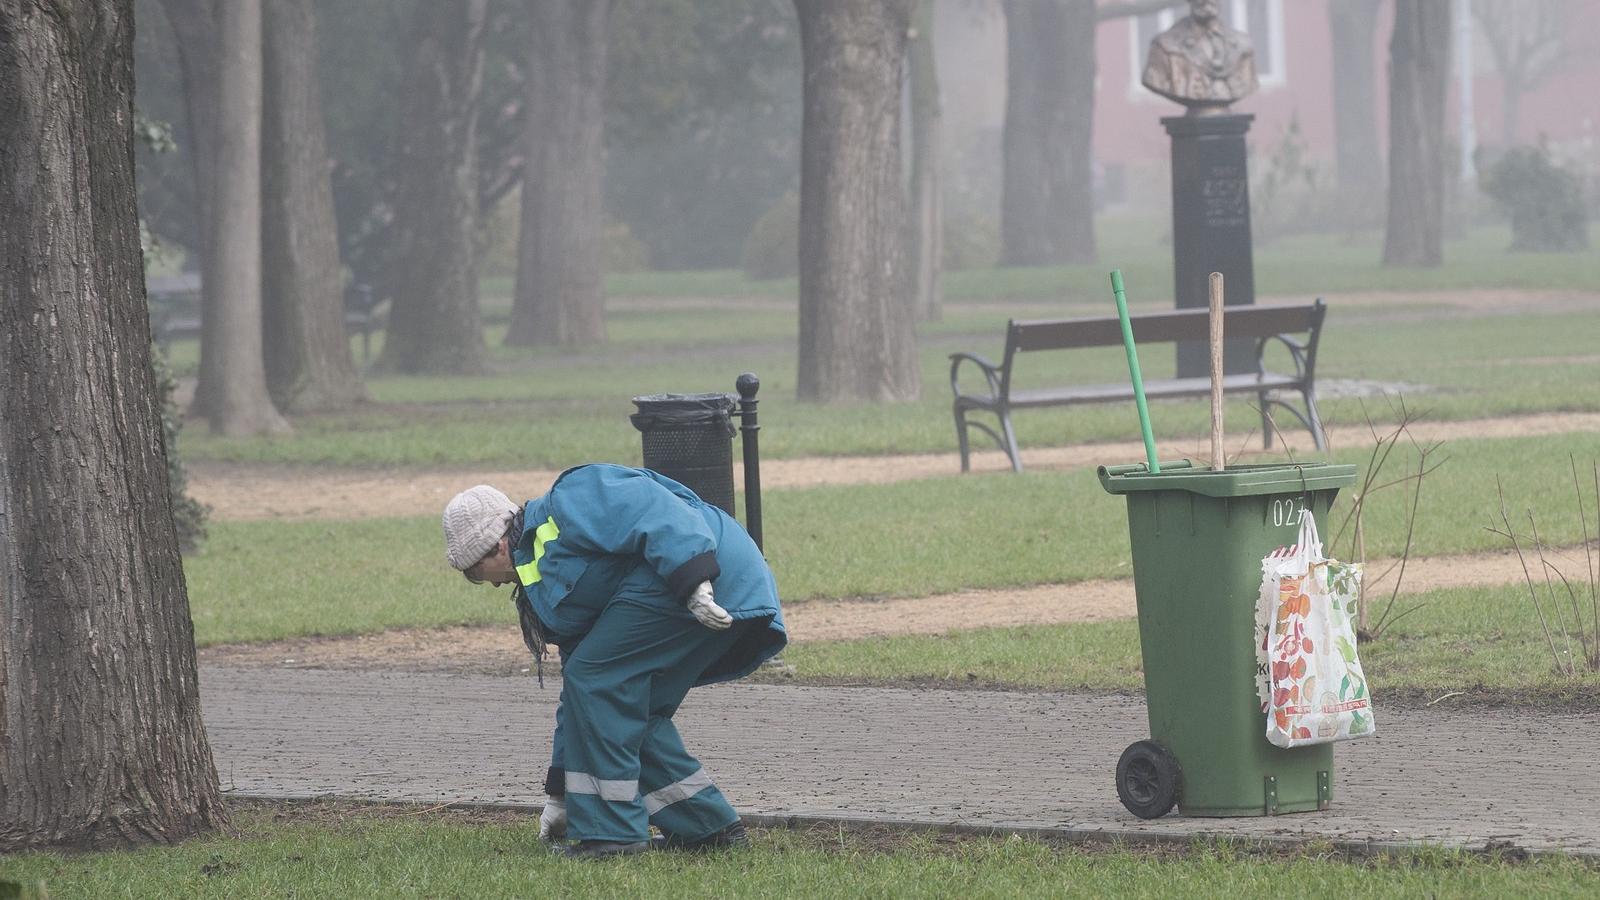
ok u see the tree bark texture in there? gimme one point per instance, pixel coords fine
(241, 404)
(857, 338)
(1419, 75)
(305, 350)
(194, 23)
(434, 322)
(560, 295)
(927, 192)
(101, 741)
(1352, 26)
(1047, 186)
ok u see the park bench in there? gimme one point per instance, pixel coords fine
(175, 311)
(1295, 327)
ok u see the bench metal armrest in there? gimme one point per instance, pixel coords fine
(1297, 352)
(991, 373)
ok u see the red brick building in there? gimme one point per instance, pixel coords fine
(1295, 67)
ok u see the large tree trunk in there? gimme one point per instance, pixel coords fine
(434, 323)
(305, 350)
(241, 404)
(560, 296)
(1046, 194)
(194, 23)
(101, 742)
(1419, 74)
(857, 340)
(927, 194)
(1358, 164)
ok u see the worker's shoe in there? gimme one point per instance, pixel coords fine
(603, 849)
(732, 836)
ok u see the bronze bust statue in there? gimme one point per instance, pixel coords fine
(1200, 62)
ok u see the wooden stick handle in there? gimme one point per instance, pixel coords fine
(1217, 460)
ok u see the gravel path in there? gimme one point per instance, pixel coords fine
(1458, 777)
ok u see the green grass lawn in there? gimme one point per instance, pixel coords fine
(550, 408)
(1297, 265)
(267, 580)
(1486, 642)
(350, 852)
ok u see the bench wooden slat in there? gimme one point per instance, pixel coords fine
(1031, 335)
(1165, 388)
(1176, 325)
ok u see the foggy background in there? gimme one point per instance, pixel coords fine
(702, 111)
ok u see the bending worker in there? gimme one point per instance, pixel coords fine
(647, 591)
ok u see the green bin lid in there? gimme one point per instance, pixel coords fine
(1234, 481)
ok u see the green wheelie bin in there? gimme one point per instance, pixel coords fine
(1198, 538)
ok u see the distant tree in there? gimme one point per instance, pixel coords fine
(1419, 74)
(363, 48)
(857, 340)
(239, 402)
(307, 354)
(702, 123)
(560, 295)
(1358, 164)
(195, 27)
(927, 191)
(1530, 41)
(434, 321)
(1047, 200)
(1047, 177)
(102, 743)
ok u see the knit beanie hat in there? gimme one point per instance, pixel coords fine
(474, 521)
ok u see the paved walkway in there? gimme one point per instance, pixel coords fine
(939, 757)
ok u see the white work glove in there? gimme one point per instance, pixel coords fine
(553, 821)
(706, 609)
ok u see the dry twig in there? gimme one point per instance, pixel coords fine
(1516, 545)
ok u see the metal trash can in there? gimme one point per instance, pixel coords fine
(1198, 537)
(689, 438)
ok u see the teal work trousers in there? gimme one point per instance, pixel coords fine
(626, 766)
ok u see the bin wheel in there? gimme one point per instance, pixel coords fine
(1147, 779)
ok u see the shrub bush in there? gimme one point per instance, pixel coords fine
(188, 514)
(772, 249)
(971, 241)
(622, 251)
(1543, 201)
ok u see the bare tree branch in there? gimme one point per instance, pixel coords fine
(1134, 8)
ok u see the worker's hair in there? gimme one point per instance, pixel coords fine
(514, 530)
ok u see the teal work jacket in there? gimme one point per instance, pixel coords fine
(590, 535)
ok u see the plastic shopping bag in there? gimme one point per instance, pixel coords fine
(1308, 675)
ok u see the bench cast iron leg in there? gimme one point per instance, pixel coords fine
(1315, 421)
(1011, 441)
(961, 438)
(1266, 421)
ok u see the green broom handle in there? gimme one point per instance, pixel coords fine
(1133, 371)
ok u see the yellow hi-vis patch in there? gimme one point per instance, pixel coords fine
(544, 534)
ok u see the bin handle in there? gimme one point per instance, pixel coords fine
(1142, 468)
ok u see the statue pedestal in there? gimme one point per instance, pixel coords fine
(1211, 228)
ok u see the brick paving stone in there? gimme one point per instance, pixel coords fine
(1449, 776)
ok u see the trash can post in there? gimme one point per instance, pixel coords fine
(748, 384)
(689, 438)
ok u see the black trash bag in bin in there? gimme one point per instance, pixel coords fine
(689, 438)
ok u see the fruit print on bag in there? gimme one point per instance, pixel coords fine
(1305, 642)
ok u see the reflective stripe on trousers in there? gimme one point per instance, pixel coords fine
(613, 790)
(657, 800)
